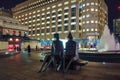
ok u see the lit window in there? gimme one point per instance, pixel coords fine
(43, 13)
(73, 6)
(60, 9)
(60, 4)
(29, 17)
(26, 18)
(73, 1)
(92, 21)
(34, 16)
(33, 24)
(38, 15)
(38, 24)
(92, 29)
(83, 5)
(96, 9)
(48, 12)
(87, 10)
(88, 4)
(34, 12)
(96, 3)
(83, 22)
(83, 10)
(92, 3)
(53, 11)
(66, 3)
(30, 13)
(43, 9)
(83, 30)
(87, 21)
(83, 16)
(26, 14)
(87, 30)
(33, 20)
(38, 19)
(48, 8)
(54, 6)
(92, 9)
(38, 10)
(96, 29)
(66, 8)
(87, 15)
(96, 21)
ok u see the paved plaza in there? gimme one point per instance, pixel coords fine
(24, 67)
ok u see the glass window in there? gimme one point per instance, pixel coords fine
(66, 16)
(59, 17)
(66, 28)
(59, 28)
(53, 29)
(66, 21)
(38, 31)
(73, 11)
(73, 20)
(73, 27)
(59, 12)
(59, 23)
(66, 10)
(42, 30)
(48, 30)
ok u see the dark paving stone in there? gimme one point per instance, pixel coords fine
(24, 67)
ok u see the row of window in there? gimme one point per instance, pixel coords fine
(44, 2)
(66, 10)
(66, 28)
(92, 29)
(87, 22)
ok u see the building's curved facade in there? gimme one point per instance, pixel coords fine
(84, 18)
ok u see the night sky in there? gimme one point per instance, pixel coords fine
(113, 11)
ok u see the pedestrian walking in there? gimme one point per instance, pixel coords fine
(29, 49)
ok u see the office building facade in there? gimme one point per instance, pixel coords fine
(116, 26)
(84, 18)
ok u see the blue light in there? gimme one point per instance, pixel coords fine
(80, 7)
(103, 62)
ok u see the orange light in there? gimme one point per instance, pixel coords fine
(17, 40)
(11, 39)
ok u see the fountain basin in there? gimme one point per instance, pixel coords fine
(111, 57)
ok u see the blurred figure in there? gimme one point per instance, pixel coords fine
(36, 48)
(29, 49)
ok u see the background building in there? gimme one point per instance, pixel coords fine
(4, 12)
(11, 31)
(84, 18)
(116, 26)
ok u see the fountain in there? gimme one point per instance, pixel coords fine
(108, 49)
(107, 41)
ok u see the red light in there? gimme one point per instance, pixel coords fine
(10, 47)
(118, 7)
